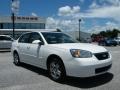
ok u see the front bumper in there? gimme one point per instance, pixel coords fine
(88, 67)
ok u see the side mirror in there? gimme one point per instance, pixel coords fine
(37, 42)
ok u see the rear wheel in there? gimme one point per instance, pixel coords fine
(56, 70)
(16, 59)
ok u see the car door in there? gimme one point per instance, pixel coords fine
(7, 42)
(23, 47)
(35, 50)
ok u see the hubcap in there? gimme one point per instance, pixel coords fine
(55, 70)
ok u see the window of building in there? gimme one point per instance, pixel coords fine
(22, 26)
(10, 25)
(1, 25)
(28, 25)
(5, 25)
(42, 25)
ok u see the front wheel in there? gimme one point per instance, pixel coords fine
(56, 70)
(16, 59)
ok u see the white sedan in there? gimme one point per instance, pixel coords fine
(61, 55)
(5, 42)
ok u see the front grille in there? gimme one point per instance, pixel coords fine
(102, 56)
(103, 69)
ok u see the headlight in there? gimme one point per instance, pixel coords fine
(80, 53)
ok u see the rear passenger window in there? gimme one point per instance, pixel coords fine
(24, 38)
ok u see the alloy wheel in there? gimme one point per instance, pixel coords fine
(55, 70)
(16, 59)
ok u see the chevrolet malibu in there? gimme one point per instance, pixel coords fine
(60, 55)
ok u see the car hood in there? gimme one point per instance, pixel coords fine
(83, 46)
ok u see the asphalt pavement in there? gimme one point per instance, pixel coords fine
(27, 77)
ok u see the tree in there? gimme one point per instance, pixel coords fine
(103, 33)
(115, 33)
(108, 33)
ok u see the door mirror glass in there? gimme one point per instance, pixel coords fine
(37, 42)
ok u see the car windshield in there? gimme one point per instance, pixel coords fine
(56, 38)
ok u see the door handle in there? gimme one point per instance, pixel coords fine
(18, 47)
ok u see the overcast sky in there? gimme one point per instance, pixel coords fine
(96, 15)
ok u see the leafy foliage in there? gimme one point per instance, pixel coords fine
(107, 33)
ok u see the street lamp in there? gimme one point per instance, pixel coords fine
(79, 28)
(13, 20)
(15, 8)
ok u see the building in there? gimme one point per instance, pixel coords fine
(21, 22)
(26, 24)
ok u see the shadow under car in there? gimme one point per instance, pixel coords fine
(89, 82)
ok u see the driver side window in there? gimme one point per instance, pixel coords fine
(24, 38)
(35, 36)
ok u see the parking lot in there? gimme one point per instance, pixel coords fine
(27, 77)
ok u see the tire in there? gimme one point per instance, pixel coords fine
(104, 44)
(16, 59)
(99, 44)
(56, 70)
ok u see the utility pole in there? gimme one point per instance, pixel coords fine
(13, 21)
(15, 8)
(79, 28)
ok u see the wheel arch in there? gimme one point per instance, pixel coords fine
(15, 51)
(54, 56)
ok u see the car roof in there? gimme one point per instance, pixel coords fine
(42, 30)
(5, 35)
(38, 31)
(45, 30)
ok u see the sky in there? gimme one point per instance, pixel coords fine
(95, 15)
